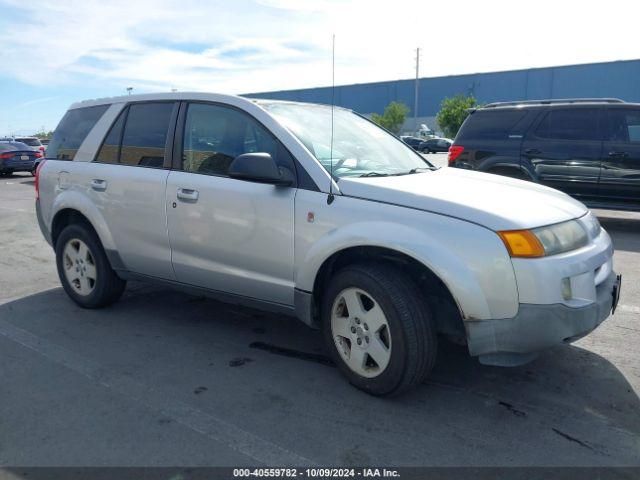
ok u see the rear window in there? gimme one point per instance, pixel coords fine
(569, 124)
(72, 130)
(490, 125)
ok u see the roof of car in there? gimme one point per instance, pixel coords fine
(204, 96)
(554, 102)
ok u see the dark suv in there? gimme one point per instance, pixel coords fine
(588, 148)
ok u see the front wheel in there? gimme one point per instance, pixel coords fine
(84, 270)
(378, 328)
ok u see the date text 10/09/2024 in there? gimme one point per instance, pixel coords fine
(316, 472)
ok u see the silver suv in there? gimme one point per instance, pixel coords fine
(318, 213)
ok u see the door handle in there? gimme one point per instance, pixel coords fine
(532, 151)
(618, 154)
(99, 185)
(187, 194)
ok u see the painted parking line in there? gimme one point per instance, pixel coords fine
(204, 423)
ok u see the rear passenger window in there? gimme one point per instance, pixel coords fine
(491, 125)
(72, 130)
(145, 134)
(215, 135)
(570, 124)
(139, 136)
(110, 149)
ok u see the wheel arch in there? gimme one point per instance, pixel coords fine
(74, 206)
(447, 311)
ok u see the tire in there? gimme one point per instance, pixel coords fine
(409, 337)
(6, 174)
(96, 284)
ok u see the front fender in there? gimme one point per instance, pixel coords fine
(72, 199)
(470, 260)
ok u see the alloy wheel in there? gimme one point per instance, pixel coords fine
(79, 267)
(361, 332)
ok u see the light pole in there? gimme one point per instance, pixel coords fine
(129, 90)
(415, 93)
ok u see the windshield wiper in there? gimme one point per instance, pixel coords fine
(374, 174)
(416, 170)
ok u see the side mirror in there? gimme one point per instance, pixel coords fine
(258, 167)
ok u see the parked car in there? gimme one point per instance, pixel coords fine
(226, 196)
(414, 142)
(32, 142)
(17, 157)
(434, 145)
(587, 148)
(45, 142)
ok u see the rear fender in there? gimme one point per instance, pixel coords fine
(75, 200)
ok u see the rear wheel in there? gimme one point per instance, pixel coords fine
(84, 270)
(378, 328)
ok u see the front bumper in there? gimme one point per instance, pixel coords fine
(536, 327)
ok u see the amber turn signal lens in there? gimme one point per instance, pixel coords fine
(522, 243)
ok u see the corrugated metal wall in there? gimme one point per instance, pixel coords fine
(612, 79)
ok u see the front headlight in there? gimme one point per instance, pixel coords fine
(591, 223)
(544, 241)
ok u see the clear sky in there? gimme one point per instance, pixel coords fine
(53, 53)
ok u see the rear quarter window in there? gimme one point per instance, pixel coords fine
(491, 125)
(72, 130)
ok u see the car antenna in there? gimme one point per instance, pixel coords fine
(331, 197)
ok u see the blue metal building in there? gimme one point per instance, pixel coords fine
(619, 79)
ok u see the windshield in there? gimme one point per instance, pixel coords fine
(360, 148)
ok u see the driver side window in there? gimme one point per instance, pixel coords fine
(215, 135)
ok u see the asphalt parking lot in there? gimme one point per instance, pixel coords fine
(163, 378)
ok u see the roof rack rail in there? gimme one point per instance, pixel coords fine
(552, 101)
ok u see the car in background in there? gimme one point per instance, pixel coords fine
(414, 142)
(588, 148)
(45, 141)
(434, 145)
(32, 142)
(18, 157)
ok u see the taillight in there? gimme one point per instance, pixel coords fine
(4, 156)
(38, 154)
(36, 183)
(454, 152)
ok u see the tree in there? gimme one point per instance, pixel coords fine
(453, 111)
(43, 134)
(393, 117)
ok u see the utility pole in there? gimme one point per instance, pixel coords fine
(129, 90)
(415, 94)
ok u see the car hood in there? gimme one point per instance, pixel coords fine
(494, 201)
